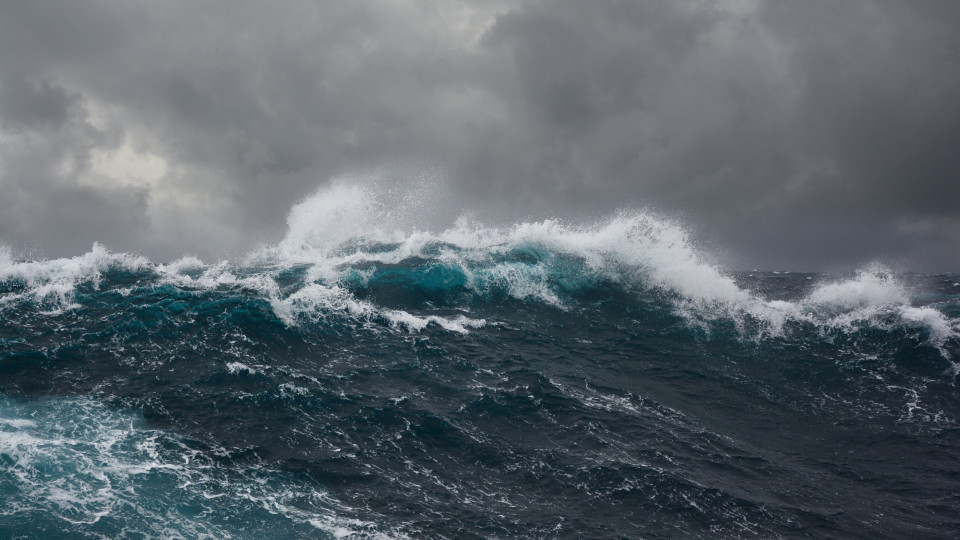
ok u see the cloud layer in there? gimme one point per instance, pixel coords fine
(805, 135)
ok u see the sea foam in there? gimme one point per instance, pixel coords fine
(79, 461)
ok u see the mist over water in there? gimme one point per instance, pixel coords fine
(370, 375)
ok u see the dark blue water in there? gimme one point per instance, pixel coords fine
(534, 382)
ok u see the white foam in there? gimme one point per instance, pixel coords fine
(940, 327)
(219, 276)
(235, 368)
(53, 282)
(873, 296)
(185, 263)
(18, 422)
(318, 303)
(873, 286)
(521, 281)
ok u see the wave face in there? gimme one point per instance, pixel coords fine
(366, 378)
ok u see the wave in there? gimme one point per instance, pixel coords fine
(52, 283)
(346, 239)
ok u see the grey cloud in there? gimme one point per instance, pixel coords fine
(821, 124)
(26, 104)
(791, 134)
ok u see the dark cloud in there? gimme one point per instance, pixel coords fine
(792, 134)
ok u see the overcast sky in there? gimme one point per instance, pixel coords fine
(813, 134)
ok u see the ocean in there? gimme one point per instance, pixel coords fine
(363, 378)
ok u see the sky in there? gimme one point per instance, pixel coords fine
(797, 135)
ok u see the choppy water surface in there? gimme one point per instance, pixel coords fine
(535, 381)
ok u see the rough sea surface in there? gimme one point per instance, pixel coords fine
(542, 380)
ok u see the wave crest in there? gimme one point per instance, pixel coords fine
(347, 237)
(343, 228)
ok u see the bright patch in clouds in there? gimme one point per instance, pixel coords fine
(127, 166)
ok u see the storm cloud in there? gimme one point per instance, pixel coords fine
(800, 135)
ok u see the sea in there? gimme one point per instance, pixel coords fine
(366, 378)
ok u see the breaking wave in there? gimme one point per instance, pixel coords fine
(343, 240)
